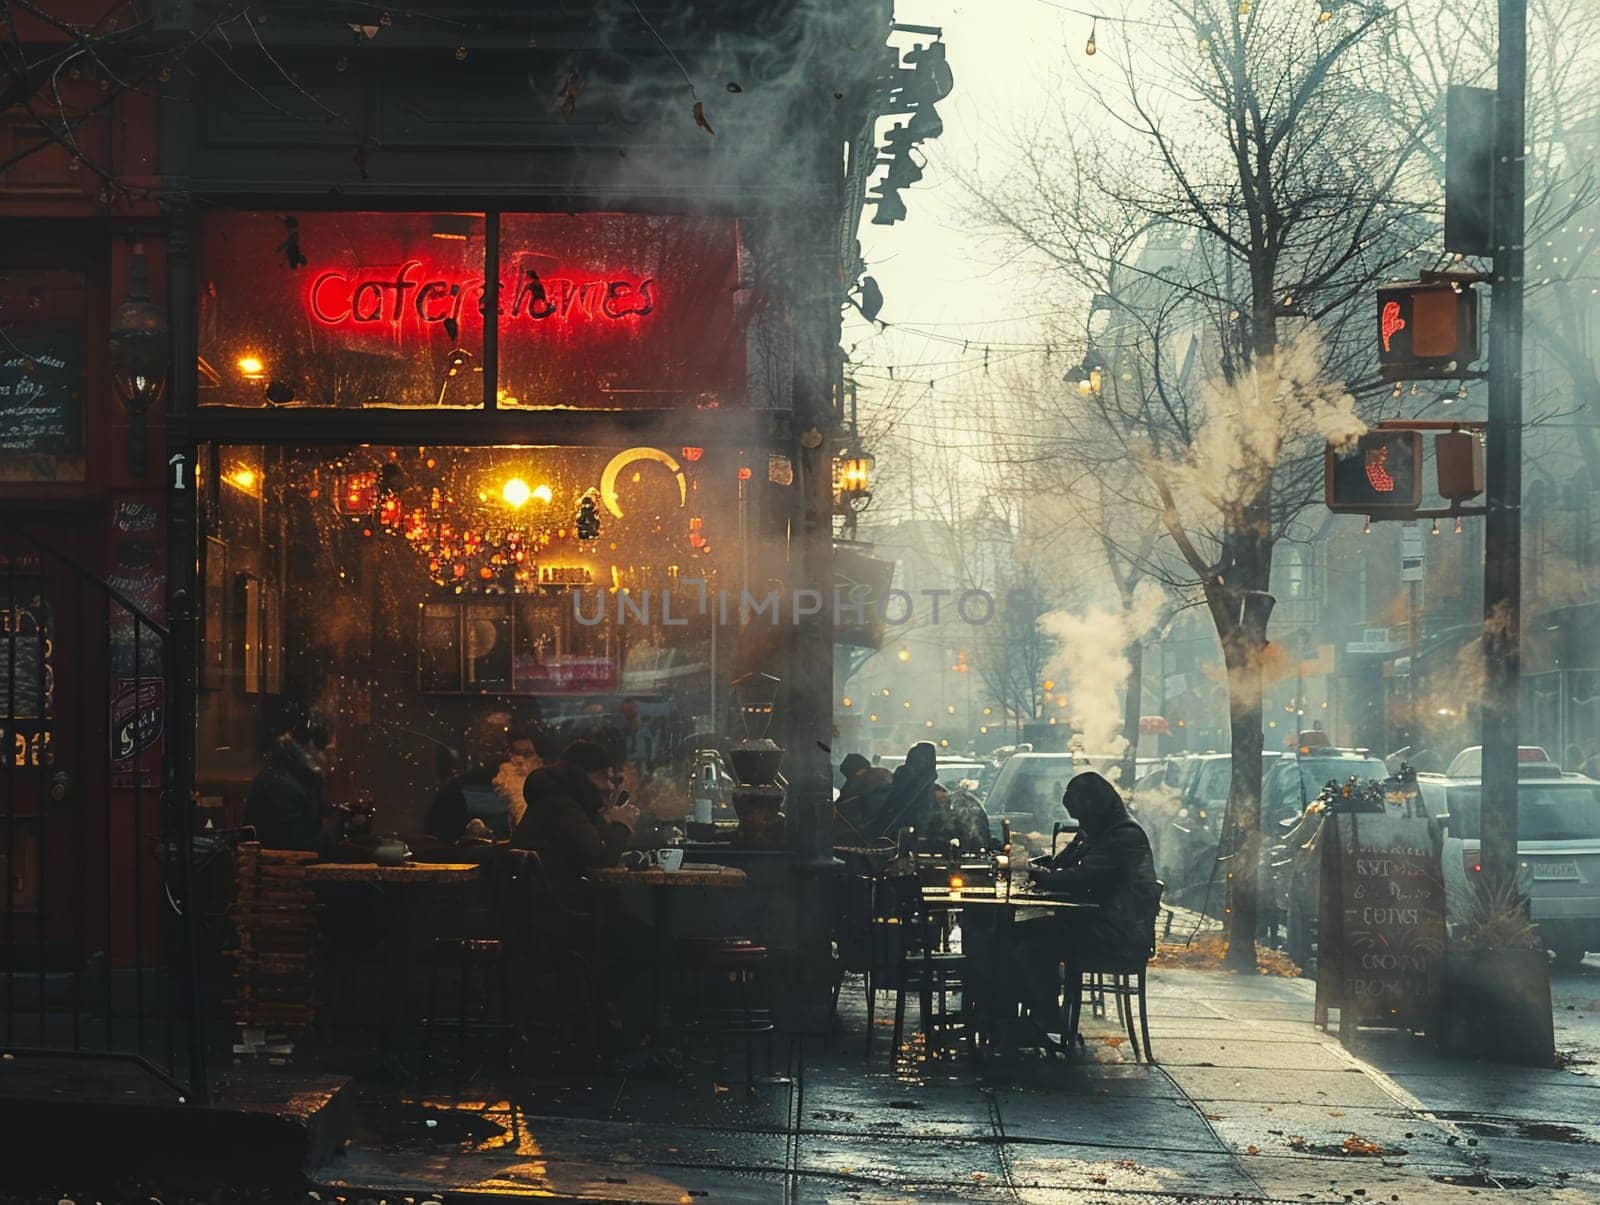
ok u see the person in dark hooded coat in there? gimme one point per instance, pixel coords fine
(1109, 865)
(571, 822)
(909, 802)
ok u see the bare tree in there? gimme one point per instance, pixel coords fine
(1265, 179)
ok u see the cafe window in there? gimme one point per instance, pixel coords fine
(363, 310)
(407, 592)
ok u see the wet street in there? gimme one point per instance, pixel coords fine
(1575, 998)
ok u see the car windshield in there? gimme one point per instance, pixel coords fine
(1554, 811)
(1028, 784)
(1286, 791)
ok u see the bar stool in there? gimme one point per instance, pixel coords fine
(722, 979)
(482, 1003)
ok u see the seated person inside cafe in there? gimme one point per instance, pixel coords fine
(860, 798)
(472, 795)
(1109, 865)
(575, 825)
(286, 805)
(572, 820)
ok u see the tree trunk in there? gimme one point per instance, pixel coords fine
(1241, 609)
(1132, 706)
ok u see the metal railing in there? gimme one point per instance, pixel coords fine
(98, 950)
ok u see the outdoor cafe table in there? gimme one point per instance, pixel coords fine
(664, 885)
(1002, 908)
(406, 913)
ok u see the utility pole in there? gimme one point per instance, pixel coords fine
(1502, 563)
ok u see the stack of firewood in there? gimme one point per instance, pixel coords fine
(274, 915)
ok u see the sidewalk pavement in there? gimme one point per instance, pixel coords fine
(1249, 1102)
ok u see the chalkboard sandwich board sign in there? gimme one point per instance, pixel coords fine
(1381, 938)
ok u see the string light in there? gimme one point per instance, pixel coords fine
(1458, 525)
(1436, 527)
(1366, 528)
(1089, 47)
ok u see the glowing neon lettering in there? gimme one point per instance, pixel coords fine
(414, 295)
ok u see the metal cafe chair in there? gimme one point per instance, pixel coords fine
(1124, 980)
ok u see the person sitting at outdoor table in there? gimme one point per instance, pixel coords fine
(858, 809)
(909, 802)
(956, 816)
(285, 805)
(1108, 864)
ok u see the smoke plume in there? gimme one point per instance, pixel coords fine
(1093, 662)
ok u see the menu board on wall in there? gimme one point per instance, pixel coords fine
(1381, 939)
(41, 405)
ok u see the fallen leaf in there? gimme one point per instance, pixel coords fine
(1097, 1179)
(1252, 1149)
(1356, 1145)
(700, 117)
(1296, 1142)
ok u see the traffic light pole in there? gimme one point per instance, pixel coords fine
(1502, 564)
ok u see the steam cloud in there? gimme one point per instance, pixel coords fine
(1093, 662)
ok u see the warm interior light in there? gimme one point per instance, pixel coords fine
(516, 492)
(542, 493)
(251, 366)
(243, 478)
(845, 700)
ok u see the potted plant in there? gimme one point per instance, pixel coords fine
(1495, 993)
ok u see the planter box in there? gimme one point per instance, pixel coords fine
(1495, 1005)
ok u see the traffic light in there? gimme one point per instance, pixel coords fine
(1426, 330)
(1382, 472)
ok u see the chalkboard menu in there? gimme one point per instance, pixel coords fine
(41, 394)
(1381, 938)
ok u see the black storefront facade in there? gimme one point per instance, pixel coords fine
(504, 377)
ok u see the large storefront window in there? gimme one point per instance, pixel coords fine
(412, 593)
(596, 311)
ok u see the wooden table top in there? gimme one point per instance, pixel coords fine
(692, 874)
(987, 898)
(411, 872)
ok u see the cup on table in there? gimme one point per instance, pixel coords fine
(668, 859)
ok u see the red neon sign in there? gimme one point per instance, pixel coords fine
(1390, 323)
(1377, 476)
(413, 294)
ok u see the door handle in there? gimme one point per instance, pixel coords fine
(60, 786)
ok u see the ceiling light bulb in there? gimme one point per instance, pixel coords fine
(542, 493)
(516, 493)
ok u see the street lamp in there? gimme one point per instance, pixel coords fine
(140, 357)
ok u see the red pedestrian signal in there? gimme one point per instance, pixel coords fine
(1380, 473)
(1427, 330)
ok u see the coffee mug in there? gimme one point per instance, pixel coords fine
(668, 859)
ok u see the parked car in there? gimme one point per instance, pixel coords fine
(954, 772)
(1190, 837)
(1558, 846)
(1027, 791)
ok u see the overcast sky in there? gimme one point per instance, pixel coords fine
(942, 284)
